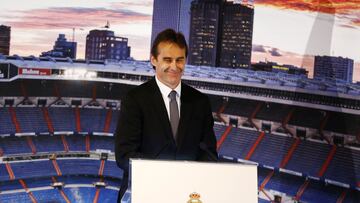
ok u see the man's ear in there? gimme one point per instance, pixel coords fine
(153, 60)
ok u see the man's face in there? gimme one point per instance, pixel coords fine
(169, 64)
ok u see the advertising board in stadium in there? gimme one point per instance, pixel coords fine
(34, 71)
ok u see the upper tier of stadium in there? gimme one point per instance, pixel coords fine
(197, 73)
(332, 95)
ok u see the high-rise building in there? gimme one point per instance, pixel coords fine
(331, 67)
(174, 14)
(103, 44)
(62, 48)
(220, 33)
(205, 32)
(5, 39)
(236, 36)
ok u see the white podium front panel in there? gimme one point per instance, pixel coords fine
(174, 181)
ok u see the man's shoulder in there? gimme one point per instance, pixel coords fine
(145, 88)
(193, 93)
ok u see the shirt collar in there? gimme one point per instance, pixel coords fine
(165, 90)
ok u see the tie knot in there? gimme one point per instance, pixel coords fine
(172, 95)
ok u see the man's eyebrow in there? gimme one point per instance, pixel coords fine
(170, 58)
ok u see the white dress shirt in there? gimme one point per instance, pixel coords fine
(165, 91)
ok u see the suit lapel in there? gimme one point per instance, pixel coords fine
(159, 106)
(185, 114)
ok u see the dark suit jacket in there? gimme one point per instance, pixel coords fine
(144, 129)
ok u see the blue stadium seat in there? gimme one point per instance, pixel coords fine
(63, 118)
(308, 157)
(6, 124)
(345, 166)
(238, 143)
(272, 149)
(31, 119)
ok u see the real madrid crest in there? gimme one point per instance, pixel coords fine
(194, 198)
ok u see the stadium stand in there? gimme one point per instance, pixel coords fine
(345, 166)
(102, 142)
(63, 118)
(14, 145)
(320, 192)
(308, 157)
(285, 183)
(46, 143)
(327, 178)
(31, 119)
(272, 149)
(238, 143)
(6, 124)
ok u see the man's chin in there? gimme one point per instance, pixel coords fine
(173, 84)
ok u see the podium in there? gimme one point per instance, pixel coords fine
(161, 181)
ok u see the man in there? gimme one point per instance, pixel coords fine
(165, 118)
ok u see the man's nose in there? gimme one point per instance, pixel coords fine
(173, 64)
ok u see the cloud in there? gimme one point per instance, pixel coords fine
(258, 48)
(266, 49)
(275, 52)
(64, 17)
(143, 3)
(348, 10)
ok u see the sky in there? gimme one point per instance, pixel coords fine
(287, 32)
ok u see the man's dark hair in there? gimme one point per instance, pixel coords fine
(169, 35)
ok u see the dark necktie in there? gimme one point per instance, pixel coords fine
(174, 113)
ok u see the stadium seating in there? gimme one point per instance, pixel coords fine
(15, 197)
(112, 170)
(285, 183)
(31, 119)
(238, 143)
(90, 167)
(93, 119)
(102, 142)
(352, 197)
(272, 150)
(50, 195)
(345, 166)
(219, 130)
(63, 118)
(76, 142)
(80, 194)
(14, 145)
(33, 169)
(319, 192)
(107, 195)
(308, 157)
(6, 124)
(114, 120)
(46, 143)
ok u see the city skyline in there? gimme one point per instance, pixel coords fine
(284, 32)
